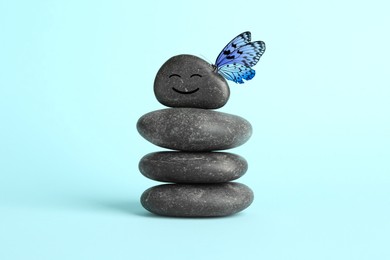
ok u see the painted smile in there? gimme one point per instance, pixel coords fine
(185, 92)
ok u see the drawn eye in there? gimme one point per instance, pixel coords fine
(195, 75)
(174, 75)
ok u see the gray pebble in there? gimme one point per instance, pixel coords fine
(197, 200)
(183, 167)
(189, 81)
(194, 130)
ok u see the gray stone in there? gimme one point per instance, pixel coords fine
(186, 167)
(193, 129)
(189, 81)
(197, 200)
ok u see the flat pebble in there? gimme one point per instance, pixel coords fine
(197, 200)
(194, 130)
(187, 167)
(189, 81)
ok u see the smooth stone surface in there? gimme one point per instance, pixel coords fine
(194, 130)
(197, 200)
(183, 167)
(189, 81)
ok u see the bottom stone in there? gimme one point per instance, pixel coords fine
(197, 200)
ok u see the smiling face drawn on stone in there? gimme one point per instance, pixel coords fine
(189, 81)
(186, 92)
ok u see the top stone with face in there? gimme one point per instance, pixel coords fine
(189, 81)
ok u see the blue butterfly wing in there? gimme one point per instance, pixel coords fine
(248, 54)
(237, 72)
(237, 42)
(239, 55)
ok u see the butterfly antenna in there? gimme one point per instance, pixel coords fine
(211, 64)
(206, 59)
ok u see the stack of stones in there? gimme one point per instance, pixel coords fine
(200, 177)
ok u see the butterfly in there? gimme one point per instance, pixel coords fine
(234, 62)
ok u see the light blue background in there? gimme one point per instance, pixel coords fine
(76, 75)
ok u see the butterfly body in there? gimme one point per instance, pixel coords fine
(235, 60)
